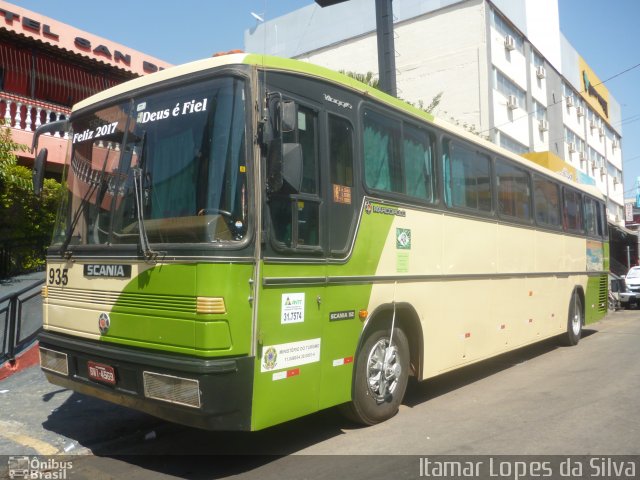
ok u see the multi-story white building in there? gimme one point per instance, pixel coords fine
(503, 66)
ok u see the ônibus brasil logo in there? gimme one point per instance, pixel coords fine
(33, 467)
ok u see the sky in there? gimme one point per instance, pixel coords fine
(604, 32)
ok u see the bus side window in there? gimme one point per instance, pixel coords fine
(341, 177)
(467, 177)
(295, 218)
(590, 217)
(572, 211)
(417, 148)
(382, 164)
(546, 196)
(513, 191)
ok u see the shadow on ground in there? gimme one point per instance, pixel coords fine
(130, 438)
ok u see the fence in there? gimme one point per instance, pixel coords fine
(20, 318)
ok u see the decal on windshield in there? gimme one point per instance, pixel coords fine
(186, 108)
(90, 134)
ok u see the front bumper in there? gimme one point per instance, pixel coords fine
(223, 387)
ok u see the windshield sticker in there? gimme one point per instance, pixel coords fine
(342, 194)
(292, 308)
(90, 134)
(180, 109)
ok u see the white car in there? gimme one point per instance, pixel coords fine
(619, 294)
(632, 279)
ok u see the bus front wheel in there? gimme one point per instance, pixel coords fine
(380, 377)
(575, 320)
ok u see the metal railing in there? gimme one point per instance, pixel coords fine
(27, 114)
(20, 319)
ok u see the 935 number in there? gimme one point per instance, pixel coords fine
(58, 276)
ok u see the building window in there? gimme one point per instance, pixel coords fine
(512, 145)
(570, 97)
(573, 141)
(540, 110)
(594, 157)
(537, 59)
(506, 87)
(504, 28)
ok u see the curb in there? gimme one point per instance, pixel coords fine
(25, 359)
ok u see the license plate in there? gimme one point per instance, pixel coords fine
(101, 372)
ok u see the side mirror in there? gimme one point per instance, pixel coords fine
(292, 166)
(40, 162)
(284, 160)
(39, 166)
(284, 167)
(288, 116)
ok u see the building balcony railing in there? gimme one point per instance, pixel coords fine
(27, 114)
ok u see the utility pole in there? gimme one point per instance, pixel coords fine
(386, 47)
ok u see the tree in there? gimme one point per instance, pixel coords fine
(26, 221)
(369, 79)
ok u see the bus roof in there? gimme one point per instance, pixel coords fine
(268, 62)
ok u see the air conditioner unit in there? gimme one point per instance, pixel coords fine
(593, 125)
(509, 42)
(512, 102)
(593, 166)
(615, 144)
(601, 131)
(580, 111)
(543, 125)
(603, 172)
(615, 181)
(572, 147)
(569, 101)
(582, 156)
(541, 72)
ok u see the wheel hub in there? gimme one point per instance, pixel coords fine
(383, 369)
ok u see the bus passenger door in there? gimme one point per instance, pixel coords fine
(343, 299)
(292, 284)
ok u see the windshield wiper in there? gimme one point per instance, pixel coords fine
(145, 246)
(80, 210)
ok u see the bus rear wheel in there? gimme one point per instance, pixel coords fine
(380, 377)
(575, 321)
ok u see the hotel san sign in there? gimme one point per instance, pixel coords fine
(72, 39)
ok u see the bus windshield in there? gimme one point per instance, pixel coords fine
(182, 151)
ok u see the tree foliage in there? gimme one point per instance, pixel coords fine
(369, 79)
(26, 221)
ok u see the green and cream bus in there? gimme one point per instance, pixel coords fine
(245, 240)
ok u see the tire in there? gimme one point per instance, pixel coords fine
(575, 321)
(368, 406)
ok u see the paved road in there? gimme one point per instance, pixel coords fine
(541, 400)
